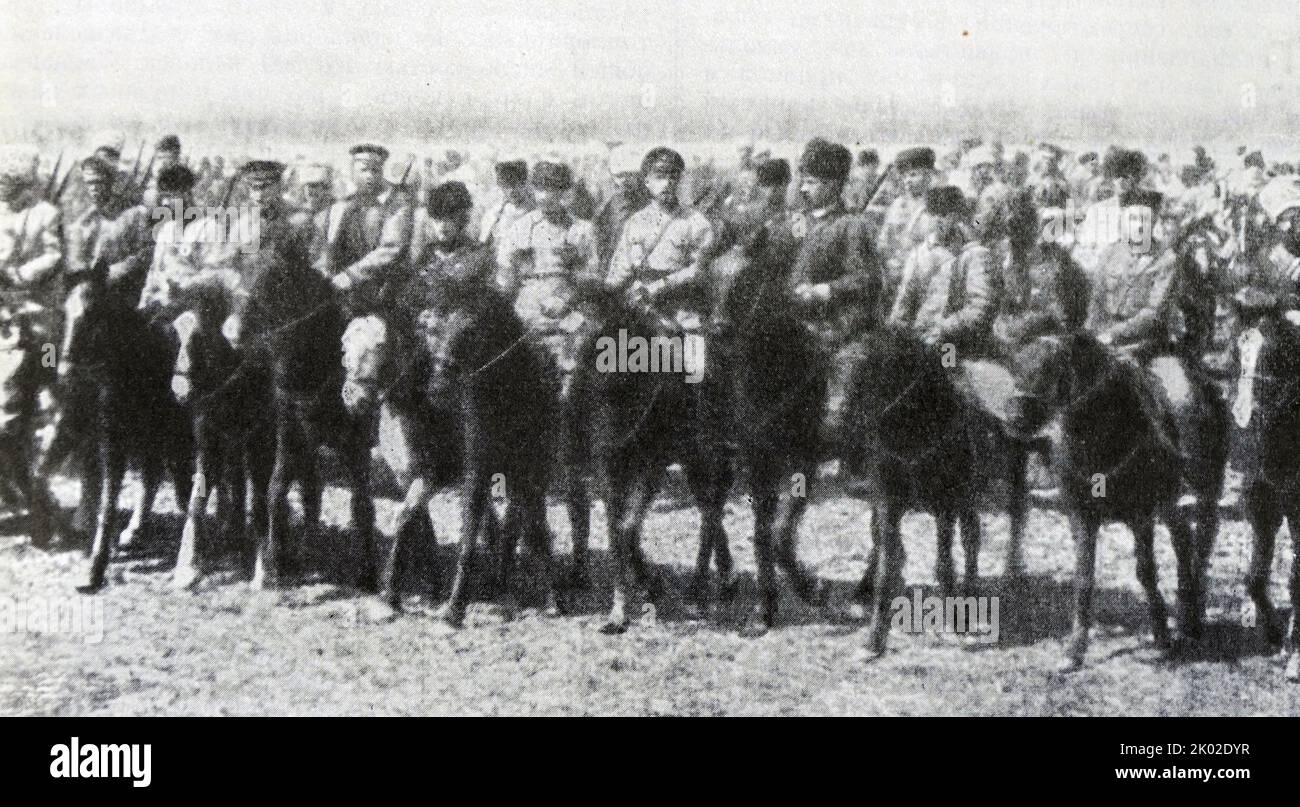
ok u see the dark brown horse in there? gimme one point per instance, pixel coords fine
(1125, 454)
(1267, 408)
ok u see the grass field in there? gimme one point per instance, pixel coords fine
(311, 650)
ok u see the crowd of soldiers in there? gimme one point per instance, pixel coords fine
(978, 249)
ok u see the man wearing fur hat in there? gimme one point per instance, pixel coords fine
(836, 276)
(443, 248)
(905, 222)
(31, 250)
(366, 233)
(1122, 171)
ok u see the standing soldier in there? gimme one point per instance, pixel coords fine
(367, 232)
(905, 224)
(30, 254)
(515, 202)
(549, 252)
(629, 196)
(836, 278)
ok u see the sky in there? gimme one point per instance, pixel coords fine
(73, 61)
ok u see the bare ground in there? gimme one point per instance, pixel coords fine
(312, 650)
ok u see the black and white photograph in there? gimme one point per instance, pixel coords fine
(658, 358)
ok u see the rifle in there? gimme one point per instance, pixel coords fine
(63, 186)
(880, 183)
(135, 169)
(54, 177)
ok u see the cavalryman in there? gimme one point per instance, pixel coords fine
(905, 223)
(1051, 188)
(629, 196)
(166, 153)
(109, 230)
(367, 232)
(991, 195)
(836, 278)
(516, 201)
(442, 248)
(30, 254)
(176, 243)
(662, 252)
(765, 209)
(548, 251)
(945, 291)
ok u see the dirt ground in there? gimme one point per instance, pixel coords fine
(312, 649)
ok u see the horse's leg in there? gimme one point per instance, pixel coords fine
(206, 468)
(1085, 570)
(1190, 597)
(970, 544)
(1144, 552)
(764, 489)
(413, 505)
(309, 484)
(888, 570)
(1265, 515)
(704, 488)
(112, 466)
(266, 562)
(1017, 505)
(474, 500)
(1291, 639)
(356, 459)
(538, 535)
(643, 499)
(150, 478)
(577, 498)
(866, 589)
(808, 587)
(943, 568)
(627, 491)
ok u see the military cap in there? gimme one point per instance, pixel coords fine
(868, 157)
(1254, 159)
(1142, 197)
(662, 160)
(95, 165)
(915, 158)
(262, 172)
(1121, 162)
(1280, 195)
(512, 172)
(624, 159)
(18, 164)
(368, 151)
(549, 176)
(773, 173)
(175, 179)
(825, 160)
(315, 174)
(448, 200)
(945, 200)
(169, 143)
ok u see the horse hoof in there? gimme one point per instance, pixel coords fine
(508, 608)
(377, 611)
(1070, 664)
(552, 608)
(92, 586)
(1292, 673)
(615, 625)
(452, 616)
(183, 579)
(868, 654)
(756, 627)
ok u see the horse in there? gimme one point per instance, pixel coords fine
(287, 391)
(487, 410)
(1123, 454)
(923, 442)
(20, 380)
(638, 422)
(1265, 405)
(114, 373)
(774, 378)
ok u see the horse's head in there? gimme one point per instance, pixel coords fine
(1268, 347)
(1057, 372)
(747, 288)
(365, 355)
(450, 336)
